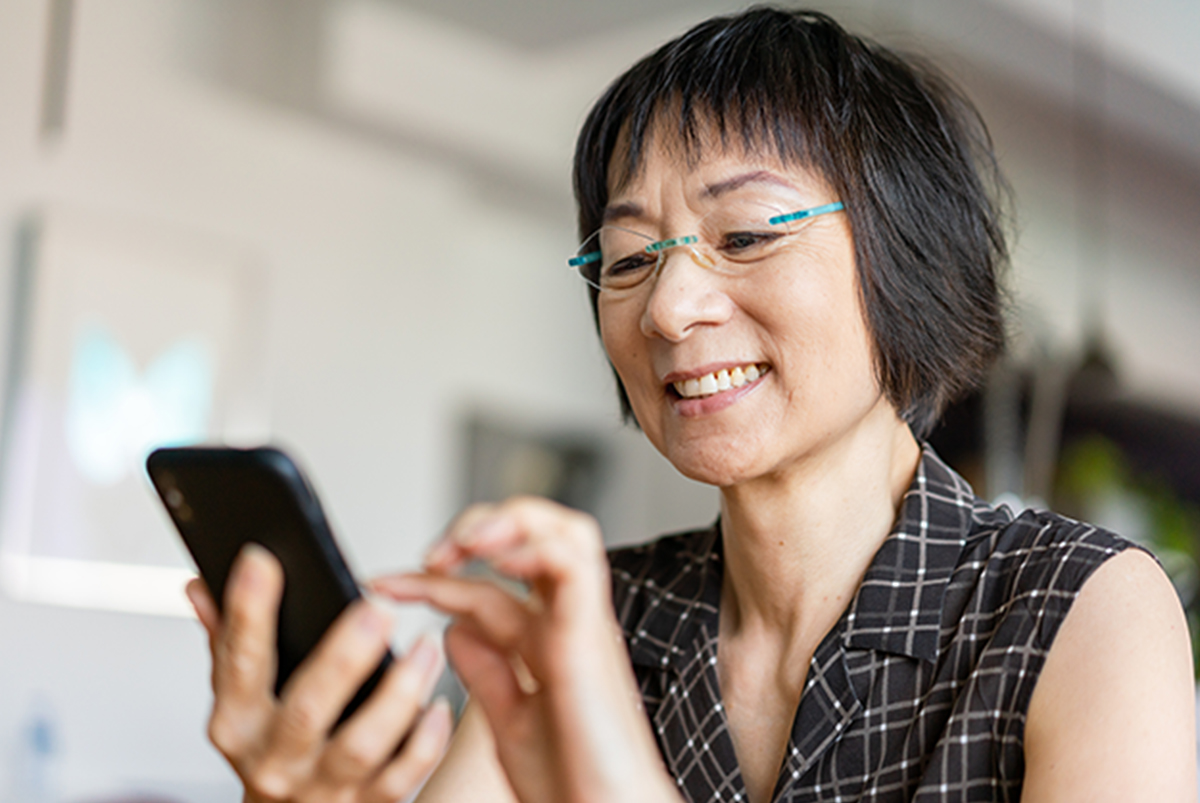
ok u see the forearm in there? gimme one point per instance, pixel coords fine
(470, 769)
(615, 747)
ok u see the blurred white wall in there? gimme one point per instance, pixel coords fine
(402, 293)
(414, 240)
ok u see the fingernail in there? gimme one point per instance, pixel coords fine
(436, 724)
(424, 654)
(193, 594)
(249, 565)
(371, 620)
(440, 552)
(400, 584)
(256, 553)
(472, 535)
(485, 530)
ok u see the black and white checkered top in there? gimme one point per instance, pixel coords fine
(919, 692)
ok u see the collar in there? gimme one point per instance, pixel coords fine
(897, 608)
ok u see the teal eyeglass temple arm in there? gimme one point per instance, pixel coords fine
(584, 259)
(836, 206)
(662, 245)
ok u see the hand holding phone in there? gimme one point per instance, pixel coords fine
(222, 499)
(293, 597)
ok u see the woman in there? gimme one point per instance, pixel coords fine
(792, 253)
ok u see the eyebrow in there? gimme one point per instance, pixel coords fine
(622, 210)
(630, 209)
(737, 182)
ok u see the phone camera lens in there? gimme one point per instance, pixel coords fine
(174, 498)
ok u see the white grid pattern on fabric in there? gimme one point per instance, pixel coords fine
(920, 690)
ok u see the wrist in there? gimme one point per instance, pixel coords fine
(661, 788)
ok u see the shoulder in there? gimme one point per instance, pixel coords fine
(998, 565)
(1042, 535)
(1014, 585)
(1112, 715)
(1036, 559)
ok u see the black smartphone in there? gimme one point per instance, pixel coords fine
(222, 498)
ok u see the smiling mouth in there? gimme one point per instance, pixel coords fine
(717, 381)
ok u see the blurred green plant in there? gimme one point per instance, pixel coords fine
(1096, 483)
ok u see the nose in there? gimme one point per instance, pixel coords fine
(684, 295)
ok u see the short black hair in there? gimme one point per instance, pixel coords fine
(905, 150)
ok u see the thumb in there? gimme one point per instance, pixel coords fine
(485, 671)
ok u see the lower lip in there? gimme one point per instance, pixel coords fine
(707, 405)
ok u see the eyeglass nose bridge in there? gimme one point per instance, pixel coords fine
(688, 241)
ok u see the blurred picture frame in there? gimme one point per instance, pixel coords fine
(507, 456)
(124, 336)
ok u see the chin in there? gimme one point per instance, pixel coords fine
(720, 455)
(719, 464)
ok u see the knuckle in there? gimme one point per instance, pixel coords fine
(344, 666)
(301, 717)
(393, 785)
(268, 782)
(589, 541)
(333, 658)
(470, 514)
(239, 620)
(241, 666)
(241, 656)
(579, 536)
(526, 507)
(356, 756)
(225, 733)
(584, 527)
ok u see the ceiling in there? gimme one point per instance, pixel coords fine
(1155, 37)
(538, 24)
(501, 84)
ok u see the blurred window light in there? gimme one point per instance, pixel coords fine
(130, 336)
(115, 415)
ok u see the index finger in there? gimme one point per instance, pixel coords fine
(529, 537)
(206, 612)
(447, 553)
(206, 609)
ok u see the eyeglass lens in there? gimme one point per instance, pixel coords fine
(733, 237)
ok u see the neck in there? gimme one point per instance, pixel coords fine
(798, 541)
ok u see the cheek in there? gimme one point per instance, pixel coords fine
(620, 332)
(620, 335)
(822, 331)
(613, 331)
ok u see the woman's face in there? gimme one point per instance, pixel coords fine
(797, 317)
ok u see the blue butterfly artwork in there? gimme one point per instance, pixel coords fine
(116, 414)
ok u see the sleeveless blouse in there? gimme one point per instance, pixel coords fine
(920, 690)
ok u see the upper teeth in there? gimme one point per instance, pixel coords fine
(719, 380)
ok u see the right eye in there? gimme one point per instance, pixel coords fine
(628, 271)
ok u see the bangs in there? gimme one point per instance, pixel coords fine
(767, 88)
